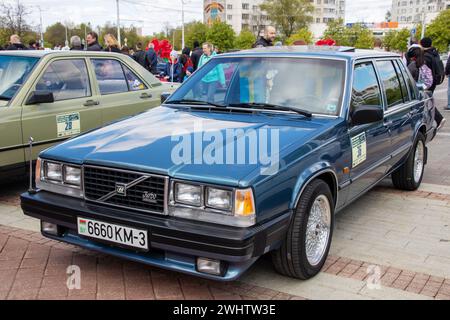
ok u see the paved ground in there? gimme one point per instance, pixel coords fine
(387, 245)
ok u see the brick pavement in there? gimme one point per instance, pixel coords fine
(33, 267)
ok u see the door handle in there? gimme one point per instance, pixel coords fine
(91, 103)
(146, 96)
(388, 123)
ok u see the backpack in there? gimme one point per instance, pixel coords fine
(438, 70)
(426, 76)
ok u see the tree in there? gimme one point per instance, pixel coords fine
(302, 34)
(438, 30)
(289, 15)
(55, 34)
(13, 18)
(195, 31)
(359, 36)
(221, 35)
(336, 30)
(245, 40)
(397, 40)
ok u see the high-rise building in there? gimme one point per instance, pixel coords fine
(411, 12)
(246, 14)
(324, 12)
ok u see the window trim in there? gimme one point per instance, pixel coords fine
(407, 98)
(47, 65)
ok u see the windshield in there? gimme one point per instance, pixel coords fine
(13, 73)
(311, 85)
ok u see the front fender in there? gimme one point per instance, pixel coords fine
(307, 176)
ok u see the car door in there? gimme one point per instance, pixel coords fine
(11, 149)
(400, 108)
(73, 111)
(370, 142)
(122, 92)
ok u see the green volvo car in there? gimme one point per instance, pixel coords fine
(54, 95)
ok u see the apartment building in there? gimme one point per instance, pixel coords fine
(411, 12)
(245, 14)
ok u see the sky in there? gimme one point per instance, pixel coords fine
(153, 15)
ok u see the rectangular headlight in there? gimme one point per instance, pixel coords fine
(219, 199)
(188, 194)
(53, 171)
(72, 175)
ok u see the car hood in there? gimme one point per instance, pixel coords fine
(156, 141)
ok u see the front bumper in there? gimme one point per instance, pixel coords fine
(174, 243)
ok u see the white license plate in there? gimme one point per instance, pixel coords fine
(127, 236)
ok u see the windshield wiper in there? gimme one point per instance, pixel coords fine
(269, 106)
(196, 102)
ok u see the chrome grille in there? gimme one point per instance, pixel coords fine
(141, 191)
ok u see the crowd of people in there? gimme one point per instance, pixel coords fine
(422, 59)
(427, 68)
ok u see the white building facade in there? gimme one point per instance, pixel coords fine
(245, 14)
(412, 12)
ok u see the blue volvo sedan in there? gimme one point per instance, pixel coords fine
(254, 154)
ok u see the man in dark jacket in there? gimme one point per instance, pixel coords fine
(140, 56)
(196, 54)
(447, 73)
(92, 42)
(152, 58)
(15, 43)
(432, 60)
(270, 33)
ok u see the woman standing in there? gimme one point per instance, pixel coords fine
(211, 81)
(424, 76)
(112, 45)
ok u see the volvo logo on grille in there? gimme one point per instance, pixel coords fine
(150, 197)
(121, 189)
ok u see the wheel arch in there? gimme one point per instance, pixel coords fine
(327, 174)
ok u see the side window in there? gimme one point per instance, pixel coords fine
(402, 82)
(409, 81)
(110, 76)
(366, 91)
(134, 83)
(66, 79)
(391, 83)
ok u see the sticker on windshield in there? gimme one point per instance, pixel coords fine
(68, 124)
(359, 149)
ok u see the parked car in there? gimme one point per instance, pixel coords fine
(52, 96)
(344, 121)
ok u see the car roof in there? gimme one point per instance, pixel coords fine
(43, 53)
(348, 53)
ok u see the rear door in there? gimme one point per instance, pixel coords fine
(74, 111)
(122, 91)
(399, 108)
(370, 143)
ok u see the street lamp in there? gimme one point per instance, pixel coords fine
(183, 2)
(118, 23)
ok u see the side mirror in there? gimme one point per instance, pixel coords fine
(38, 97)
(367, 114)
(165, 96)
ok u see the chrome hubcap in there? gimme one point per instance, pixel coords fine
(419, 161)
(318, 230)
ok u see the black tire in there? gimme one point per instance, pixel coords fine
(403, 177)
(291, 259)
